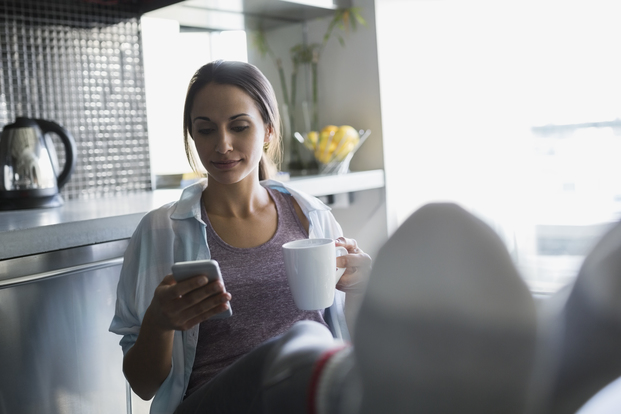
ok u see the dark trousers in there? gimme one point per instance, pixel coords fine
(273, 378)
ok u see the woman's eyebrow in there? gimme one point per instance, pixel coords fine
(201, 118)
(205, 118)
(238, 115)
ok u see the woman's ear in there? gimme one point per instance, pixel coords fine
(269, 132)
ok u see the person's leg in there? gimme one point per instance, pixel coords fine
(273, 378)
(237, 389)
(294, 365)
(447, 324)
(336, 387)
(586, 344)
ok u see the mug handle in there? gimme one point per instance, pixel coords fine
(340, 251)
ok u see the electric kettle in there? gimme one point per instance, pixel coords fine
(29, 175)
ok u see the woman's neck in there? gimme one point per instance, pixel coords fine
(240, 199)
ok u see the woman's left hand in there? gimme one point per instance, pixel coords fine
(357, 266)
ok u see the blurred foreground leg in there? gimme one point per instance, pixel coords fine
(273, 378)
(447, 325)
(588, 336)
(235, 390)
(292, 364)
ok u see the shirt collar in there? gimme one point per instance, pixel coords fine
(189, 203)
(306, 202)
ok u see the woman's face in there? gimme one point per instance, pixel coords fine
(228, 132)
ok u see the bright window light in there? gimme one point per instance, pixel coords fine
(229, 45)
(468, 91)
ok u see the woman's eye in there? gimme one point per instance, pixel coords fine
(205, 131)
(240, 128)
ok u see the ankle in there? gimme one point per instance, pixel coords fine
(325, 377)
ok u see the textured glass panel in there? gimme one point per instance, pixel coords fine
(79, 63)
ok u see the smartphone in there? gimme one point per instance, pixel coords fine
(210, 268)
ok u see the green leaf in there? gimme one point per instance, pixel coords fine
(259, 41)
(358, 16)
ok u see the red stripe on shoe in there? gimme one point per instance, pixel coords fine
(316, 375)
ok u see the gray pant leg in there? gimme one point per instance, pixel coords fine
(273, 378)
(290, 366)
(341, 392)
(236, 390)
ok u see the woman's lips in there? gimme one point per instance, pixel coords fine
(225, 165)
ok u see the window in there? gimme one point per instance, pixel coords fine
(171, 56)
(511, 109)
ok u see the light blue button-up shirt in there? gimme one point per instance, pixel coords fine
(175, 233)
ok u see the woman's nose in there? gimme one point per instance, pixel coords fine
(224, 142)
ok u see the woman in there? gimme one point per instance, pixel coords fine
(237, 217)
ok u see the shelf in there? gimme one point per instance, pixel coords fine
(249, 15)
(324, 185)
(316, 185)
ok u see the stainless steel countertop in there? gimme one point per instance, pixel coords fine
(76, 223)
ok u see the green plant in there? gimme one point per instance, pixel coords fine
(345, 19)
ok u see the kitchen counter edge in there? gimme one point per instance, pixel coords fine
(92, 221)
(76, 223)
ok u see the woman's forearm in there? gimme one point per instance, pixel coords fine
(147, 364)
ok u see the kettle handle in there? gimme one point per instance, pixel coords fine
(70, 148)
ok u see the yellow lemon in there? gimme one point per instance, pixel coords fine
(323, 144)
(327, 144)
(347, 138)
(346, 132)
(311, 139)
(345, 149)
(328, 129)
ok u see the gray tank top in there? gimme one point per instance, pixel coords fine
(262, 303)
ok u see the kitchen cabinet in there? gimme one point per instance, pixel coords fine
(55, 349)
(59, 270)
(211, 14)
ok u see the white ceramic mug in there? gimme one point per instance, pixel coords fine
(312, 272)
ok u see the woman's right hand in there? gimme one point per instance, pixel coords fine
(175, 306)
(181, 305)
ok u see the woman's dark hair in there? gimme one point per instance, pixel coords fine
(254, 83)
